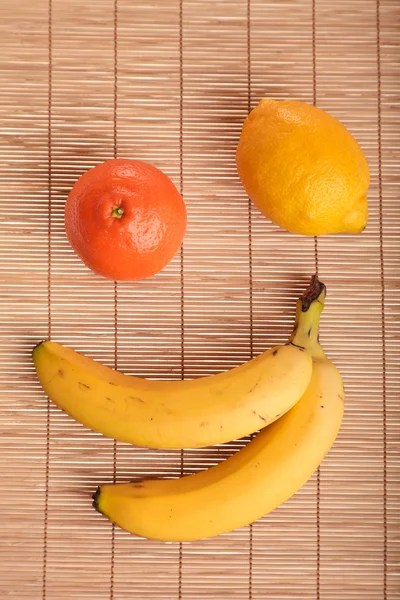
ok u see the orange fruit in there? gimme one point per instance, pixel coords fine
(125, 219)
(303, 169)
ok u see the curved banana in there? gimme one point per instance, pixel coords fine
(253, 482)
(175, 414)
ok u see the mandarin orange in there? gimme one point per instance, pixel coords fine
(125, 219)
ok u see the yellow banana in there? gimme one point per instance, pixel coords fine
(253, 482)
(175, 414)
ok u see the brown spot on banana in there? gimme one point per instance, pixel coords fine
(297, 346)
(83, 386)
(255, 385)
(136, 398)
(259, 416)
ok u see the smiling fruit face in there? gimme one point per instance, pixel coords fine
(125, 219)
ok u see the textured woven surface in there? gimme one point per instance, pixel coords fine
(171, 83)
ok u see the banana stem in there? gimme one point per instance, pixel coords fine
(308, 310)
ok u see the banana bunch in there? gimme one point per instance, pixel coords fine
(293, 393)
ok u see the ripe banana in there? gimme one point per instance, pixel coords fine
(258, 478)
(176, 414)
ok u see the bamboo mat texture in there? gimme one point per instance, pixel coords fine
(170, 82)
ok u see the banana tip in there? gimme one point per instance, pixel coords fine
(95, 498)
(38, 345)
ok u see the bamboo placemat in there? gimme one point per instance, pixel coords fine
(171, 82)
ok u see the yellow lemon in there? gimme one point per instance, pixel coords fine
(303, 169)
